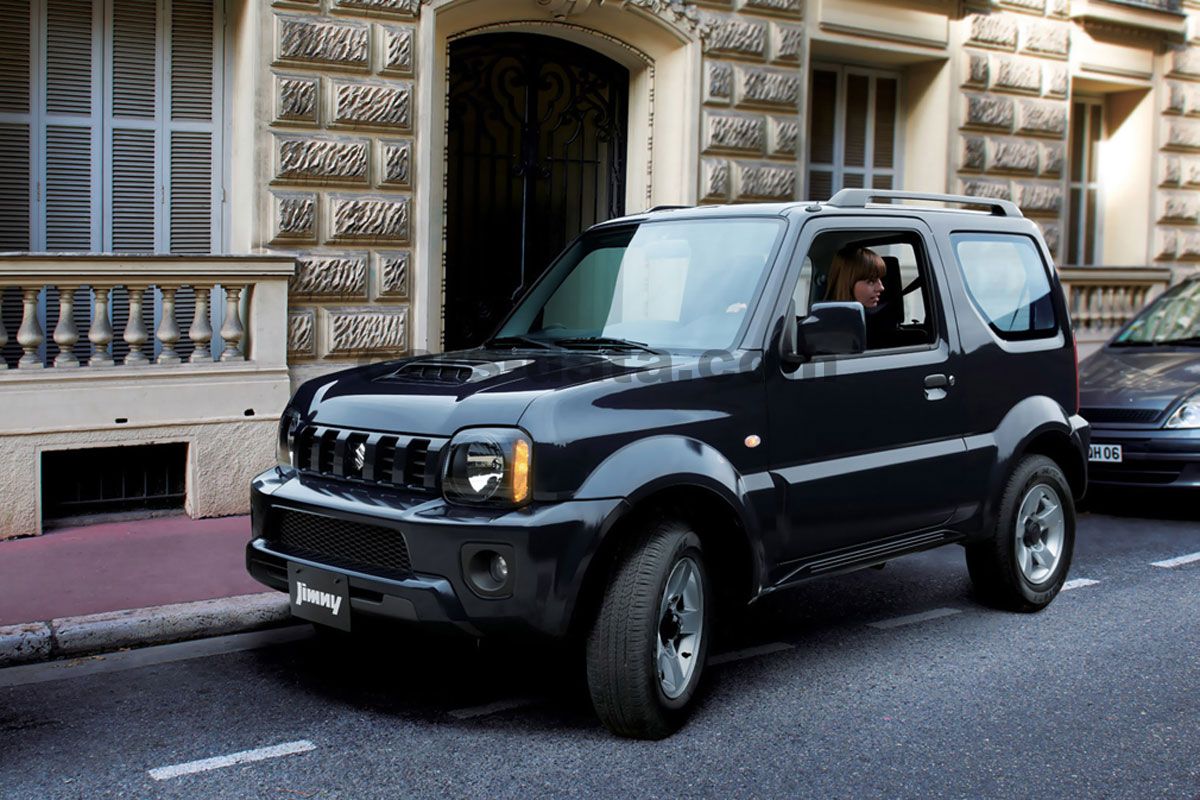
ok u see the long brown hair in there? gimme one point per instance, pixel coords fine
(851, 265)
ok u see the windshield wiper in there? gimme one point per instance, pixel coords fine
(517, 341)
(1186, 340)
(604, 342)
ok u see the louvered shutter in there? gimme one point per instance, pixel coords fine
(133, 180)
(192, 70)
(15, 124)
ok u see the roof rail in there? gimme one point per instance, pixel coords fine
(858, 198)
(666, 208)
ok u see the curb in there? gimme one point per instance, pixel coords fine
(69, 637)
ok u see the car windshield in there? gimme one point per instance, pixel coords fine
(679, 285)
(1174, 318)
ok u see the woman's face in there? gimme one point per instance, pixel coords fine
(867, 292)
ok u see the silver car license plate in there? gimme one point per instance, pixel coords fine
(1105, 453)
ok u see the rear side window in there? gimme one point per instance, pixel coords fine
(1007, 280)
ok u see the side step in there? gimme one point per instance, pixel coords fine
(849, 559)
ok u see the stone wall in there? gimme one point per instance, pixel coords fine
(1177, 207)
(754, 85)
(1013, 114)
(338, 151)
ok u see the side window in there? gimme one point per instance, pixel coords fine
(886, 271)
(1007, 281)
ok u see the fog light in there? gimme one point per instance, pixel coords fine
(499, 569)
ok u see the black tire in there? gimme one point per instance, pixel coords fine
(622, 674)
(993, 563)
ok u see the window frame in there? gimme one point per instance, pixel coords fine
(1032, 335)
(1094, 105)
(837, 168)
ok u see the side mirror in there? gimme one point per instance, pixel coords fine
(830, 329)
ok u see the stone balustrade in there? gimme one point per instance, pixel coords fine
(1102, 299)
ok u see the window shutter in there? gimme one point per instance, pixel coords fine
(133, 190)
(15, 119)
(68, 188)
(133, 163)
(191, 192)
(134, 58)
(192, 72)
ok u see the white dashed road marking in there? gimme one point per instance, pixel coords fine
(750, 652)
(493, 708)
(911, 619)
(1176, 562)
(244, 757)
(1078, 583)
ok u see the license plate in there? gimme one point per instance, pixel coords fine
(318, 595)
(1105, 453)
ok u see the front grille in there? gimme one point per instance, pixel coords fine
(1149, 473)
(340, 543)
(393, 460)
(1126, 415)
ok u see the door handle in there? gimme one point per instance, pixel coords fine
(936, 385)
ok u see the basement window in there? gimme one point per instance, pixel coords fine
(113, 480)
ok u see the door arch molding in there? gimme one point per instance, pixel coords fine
(663, 56)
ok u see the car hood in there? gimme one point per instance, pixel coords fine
(438, 395)
(1138, 378)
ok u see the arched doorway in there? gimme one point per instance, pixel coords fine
(536, 153)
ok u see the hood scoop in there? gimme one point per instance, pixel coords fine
(453, 372)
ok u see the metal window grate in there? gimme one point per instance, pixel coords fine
(351, 545)
(113, 479)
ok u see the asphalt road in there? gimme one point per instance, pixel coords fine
(889, 683)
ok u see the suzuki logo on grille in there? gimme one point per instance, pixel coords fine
(360, 456)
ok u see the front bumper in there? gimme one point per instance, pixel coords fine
(552, 546)
(1151, 457)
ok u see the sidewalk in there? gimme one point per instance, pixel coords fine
(123, 584)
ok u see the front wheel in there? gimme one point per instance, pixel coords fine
(1023, 566)
(648, 643)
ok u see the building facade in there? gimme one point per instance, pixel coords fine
(207, 201)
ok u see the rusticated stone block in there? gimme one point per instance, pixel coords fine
(977, 70)
(1017, 74)
(745, 134)
(715, 179)
(391, 272)
(1014, 155)
(1040, 198)
(1166, 243)
(365, 330)
(791, 7)
(782, 135)
(1052, 234)
(295, 217)
(404, 8)
(993, 30)
(973, 153)
(396, 49)
(1186, 61)
(997, 190)
(312, 41)
(1178, 207)
(766, 183)
(395, 164)
(313, 160)
(1042, 117)
(1053, 157)
(1174, 98)
(718, 83)
(1189, 246)
(1043, 36)
(1170, 171)
(1027, 5)
(369, 219)
(736, 36)
(764, 87)
(1183, 134)
(329, 276)
(989, 111)
(1059, 8)
(300, 333)
(373, 105)
(296, 99)
(787, 43)
(1058, 80)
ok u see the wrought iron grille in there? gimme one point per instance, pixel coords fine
(536, 154)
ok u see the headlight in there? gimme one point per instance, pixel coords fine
(285, 443)
(488, 466)
(1187, 415)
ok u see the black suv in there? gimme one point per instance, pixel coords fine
(693, 408)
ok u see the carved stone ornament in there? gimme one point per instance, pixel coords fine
(680, 13)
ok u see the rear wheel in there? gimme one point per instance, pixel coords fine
(1023, 566)
(649, 641)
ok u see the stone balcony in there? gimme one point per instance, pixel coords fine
(216, 380)
(1102, 299)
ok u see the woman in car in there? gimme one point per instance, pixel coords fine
(856, 275)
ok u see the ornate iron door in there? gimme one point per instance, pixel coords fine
(537, 130)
